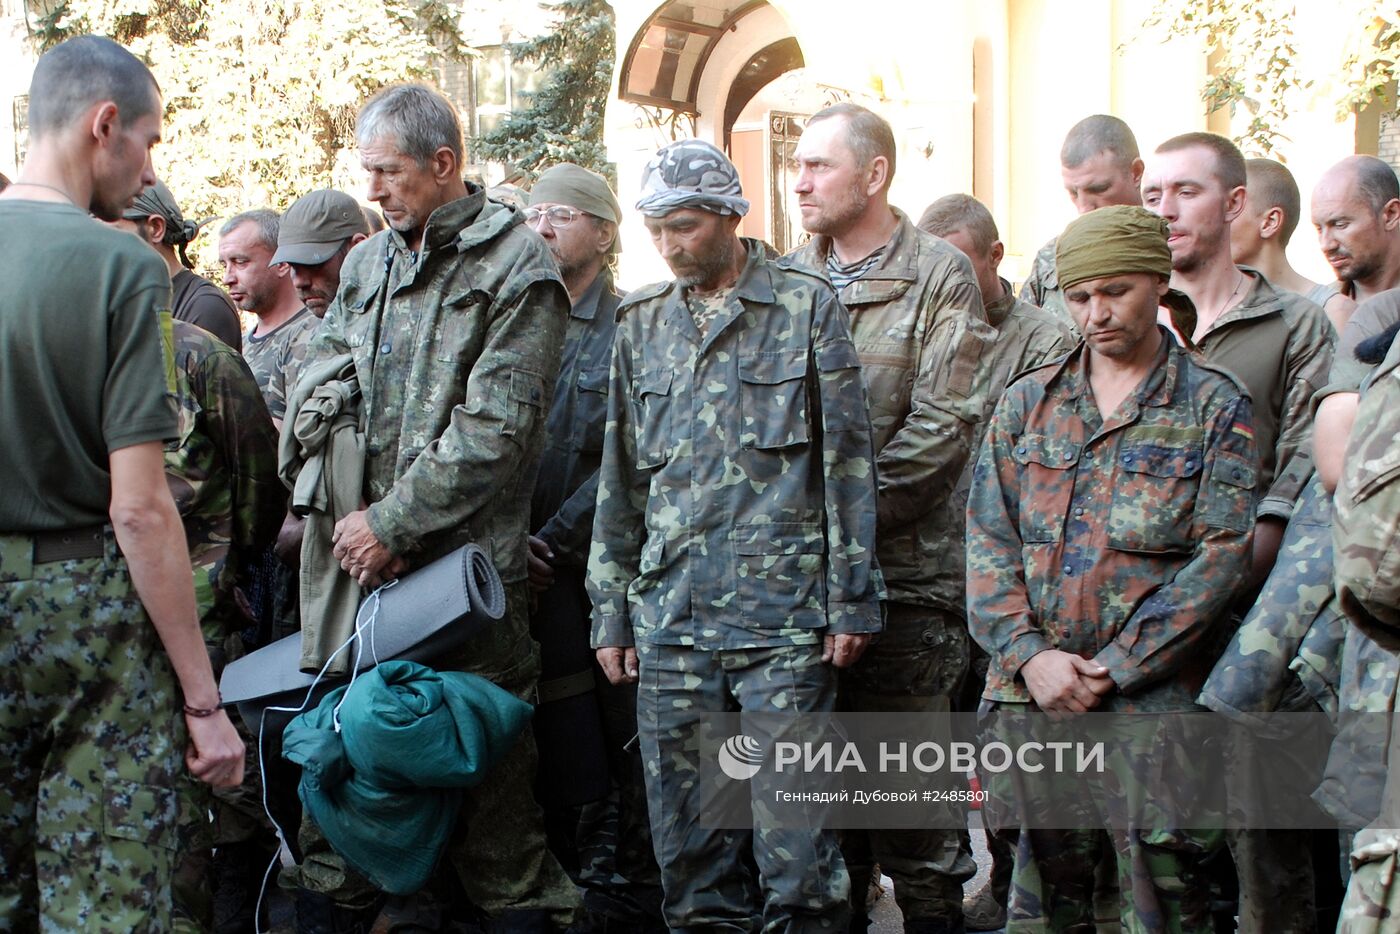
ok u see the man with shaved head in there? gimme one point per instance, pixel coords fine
(1259, 237)
(101, 646)
(1100, 166)
(1356, 210)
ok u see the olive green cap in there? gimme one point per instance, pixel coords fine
(316, 226)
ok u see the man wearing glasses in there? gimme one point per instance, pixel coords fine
(577, 214)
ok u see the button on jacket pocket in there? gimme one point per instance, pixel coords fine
(773, 399)
(591, 409)
(525, 402)
(1049, 464)
(1154, 497)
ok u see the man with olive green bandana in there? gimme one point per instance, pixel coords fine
(1109, 525)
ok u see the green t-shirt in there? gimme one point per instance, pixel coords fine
(86, 362)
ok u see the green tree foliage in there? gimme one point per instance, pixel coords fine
(1254, 58)
(261, 95)
(563, 121)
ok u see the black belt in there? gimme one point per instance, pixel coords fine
(70, 544)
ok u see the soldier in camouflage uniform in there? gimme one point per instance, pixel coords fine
(1279, 345)
(222, 470)
(584, 723)
(101, 636)
(733, 550)
(1365, 534)
(1356, 766)
(924, 345)
(1109, 524)
(1027, 337)
(1100, 167)
(276, 345)
(455, 319)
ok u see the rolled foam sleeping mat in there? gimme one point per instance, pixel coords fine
(429, 613)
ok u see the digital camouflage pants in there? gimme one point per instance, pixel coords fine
(91, 741)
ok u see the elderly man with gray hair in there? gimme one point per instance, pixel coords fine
(454, 319)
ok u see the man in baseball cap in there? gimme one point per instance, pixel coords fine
(316, 234)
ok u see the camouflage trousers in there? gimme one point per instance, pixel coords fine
(1373, 893)
(708, 874)
(92, 743)
(210, 818)
(1277, 883)
(618, 870)
(916, 665)
(1161, 885)
(498, 850)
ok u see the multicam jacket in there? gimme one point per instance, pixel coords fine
(1121, 539)
(736, 502)
(567, 486)
(1280, 346)
(1027, 337)
(1042, 287)
(924, 343)
(456, 348)
(222, 468)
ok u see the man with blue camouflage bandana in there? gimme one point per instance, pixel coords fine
(733, 550)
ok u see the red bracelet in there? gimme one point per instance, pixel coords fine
(203, 711)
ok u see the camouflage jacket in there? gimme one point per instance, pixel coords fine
(222, 469)
(276, 358)
(562, 508)
(1366, 529)
(736, 502)
(1118, 539)
(924, 343)
(1366, 512)
(1042, 287)
(1027, 338)
(1293, 634)
(1280, 346)
(456, 348)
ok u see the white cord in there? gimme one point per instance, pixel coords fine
(335, 716)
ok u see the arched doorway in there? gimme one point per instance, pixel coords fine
(703, 69)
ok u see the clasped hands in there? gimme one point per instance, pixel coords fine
(1064, 684)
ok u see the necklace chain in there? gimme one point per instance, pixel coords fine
(1225, 305)
(53, 188)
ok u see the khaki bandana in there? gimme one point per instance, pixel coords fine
(1112, 241)
(579, 188)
